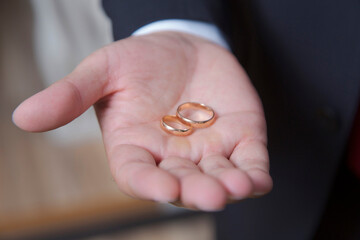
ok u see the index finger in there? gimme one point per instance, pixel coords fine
(136, 174)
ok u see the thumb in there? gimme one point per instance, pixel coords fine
(66, 99)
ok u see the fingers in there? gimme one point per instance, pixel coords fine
(198, 190)
(66, 99)
(136, 174)
(236, 182)
(252, 158)
(205, 186)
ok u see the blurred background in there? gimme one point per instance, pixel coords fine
(57, 185)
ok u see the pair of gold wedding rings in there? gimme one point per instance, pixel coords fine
(183, 125)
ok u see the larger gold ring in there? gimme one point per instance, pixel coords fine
(166, 126)
(198, 106)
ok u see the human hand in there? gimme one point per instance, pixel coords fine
(133, 83)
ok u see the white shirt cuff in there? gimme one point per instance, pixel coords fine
(201, 29)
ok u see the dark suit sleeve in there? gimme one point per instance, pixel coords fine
(129, 15)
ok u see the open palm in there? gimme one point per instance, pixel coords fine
(133, 84)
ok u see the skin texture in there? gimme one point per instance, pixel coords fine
(133, 83)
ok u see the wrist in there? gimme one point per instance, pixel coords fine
(203, 30)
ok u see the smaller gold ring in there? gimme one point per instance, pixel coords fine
(196, 123)
(173, 130)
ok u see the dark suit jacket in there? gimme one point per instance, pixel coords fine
(303, 57)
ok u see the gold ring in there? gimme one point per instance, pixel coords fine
(201, 123)
(166, 126)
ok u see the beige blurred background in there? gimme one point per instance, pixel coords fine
(57, 185)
